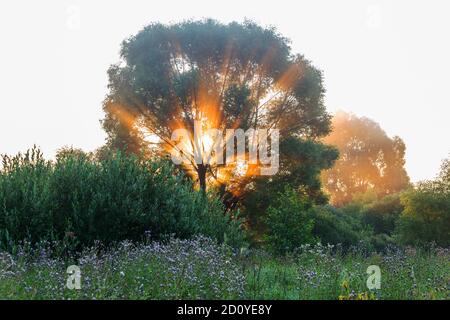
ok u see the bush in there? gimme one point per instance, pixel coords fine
(382, 215)
(288, 223)
(426, 217)
(333, 226)
(349, 227)
(80, 200)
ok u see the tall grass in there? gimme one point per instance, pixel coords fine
(201, 269)
(322, 272)
(198, 268)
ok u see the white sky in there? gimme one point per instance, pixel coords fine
(387, 60)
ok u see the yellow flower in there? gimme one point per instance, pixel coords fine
(363, 296)
(345, 284)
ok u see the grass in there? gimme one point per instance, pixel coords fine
(316, 273)
(201, 269)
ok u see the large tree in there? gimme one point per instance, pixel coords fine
(223, 75)
(369, 159)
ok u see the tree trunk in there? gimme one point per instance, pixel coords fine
(201, 171)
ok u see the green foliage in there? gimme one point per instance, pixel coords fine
(79, 200)
(426, 217)
(366, 221)
(382, 215)
(288, 224)
(301, 163)
(333, 226)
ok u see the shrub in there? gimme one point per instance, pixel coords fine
(426, 217)
(80, 200)
(383, 214)
(288, 223)
(348, 227)
(333, 226)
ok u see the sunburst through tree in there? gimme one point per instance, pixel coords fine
(233, 76)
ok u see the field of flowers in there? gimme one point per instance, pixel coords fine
(323, 272)
(201, 269)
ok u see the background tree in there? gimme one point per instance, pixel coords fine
(223, 75)
(369, 160)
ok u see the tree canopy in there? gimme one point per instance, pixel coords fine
(369, 160)
(225, 76)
